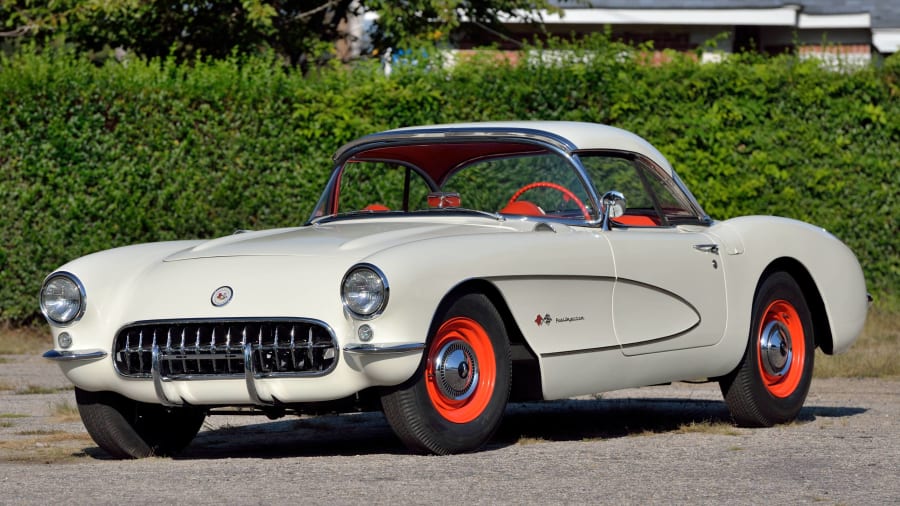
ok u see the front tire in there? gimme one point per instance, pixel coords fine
(772, 381)
(455, 402)
(128, 429)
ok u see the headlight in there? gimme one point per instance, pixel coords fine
(62, 298)
(364, 291)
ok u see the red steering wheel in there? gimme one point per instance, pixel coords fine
(562, 189)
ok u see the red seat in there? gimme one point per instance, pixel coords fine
(636, 220)
(523, 207)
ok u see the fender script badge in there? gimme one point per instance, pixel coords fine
(222, 296)
(546, 320)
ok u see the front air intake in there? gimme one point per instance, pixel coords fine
(198, 349)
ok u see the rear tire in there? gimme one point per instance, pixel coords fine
(128, 429)
(455, 401)
(772, 381)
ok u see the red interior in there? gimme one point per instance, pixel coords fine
(522, 207)
(636, 220)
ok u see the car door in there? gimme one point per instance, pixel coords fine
(669, 292)
(670, 289)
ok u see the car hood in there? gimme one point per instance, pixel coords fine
(357, 237)
(272, 273)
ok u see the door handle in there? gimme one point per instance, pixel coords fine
(707, 248)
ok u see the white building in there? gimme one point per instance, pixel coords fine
(853, 29)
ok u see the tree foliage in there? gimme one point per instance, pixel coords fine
(99, 156)
(293, 28)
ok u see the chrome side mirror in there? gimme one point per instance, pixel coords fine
(612, 205)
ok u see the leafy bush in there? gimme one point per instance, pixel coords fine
(95, 157)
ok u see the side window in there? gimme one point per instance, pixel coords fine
(609, 172)
(652, 196)
(380, 186)
(675, 206)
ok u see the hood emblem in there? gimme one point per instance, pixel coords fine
(222, 296)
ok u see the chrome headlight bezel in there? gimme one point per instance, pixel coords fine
(72, 289)
(362, 279)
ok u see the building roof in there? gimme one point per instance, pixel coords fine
(880, 17)
(883, 13)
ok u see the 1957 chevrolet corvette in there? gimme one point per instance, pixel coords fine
(445, 270)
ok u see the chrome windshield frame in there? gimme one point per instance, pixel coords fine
(548, 141)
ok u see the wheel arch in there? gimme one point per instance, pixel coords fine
(526, 372)
(821, 328)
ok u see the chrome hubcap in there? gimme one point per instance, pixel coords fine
(775, 348)
(456, 370)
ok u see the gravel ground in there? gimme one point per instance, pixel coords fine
(668, 444)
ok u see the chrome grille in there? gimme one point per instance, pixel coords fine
(225, 348)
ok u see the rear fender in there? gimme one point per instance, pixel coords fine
(826, 269)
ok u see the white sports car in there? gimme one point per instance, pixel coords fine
(446, 270)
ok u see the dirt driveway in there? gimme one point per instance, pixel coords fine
(652, 445)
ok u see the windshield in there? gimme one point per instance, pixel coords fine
(513, 179)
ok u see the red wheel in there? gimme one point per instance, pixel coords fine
(456, 401)
(460, 372)
(770, 384)
(781, 351)
(560, 188)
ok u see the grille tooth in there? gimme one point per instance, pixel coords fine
(212, 350)
(261, 348)
(126, 353)
(228, 349)
(181, 352)
(198, 351)
(207, 349)
(140, 348)
(309, 349)
(293, 348)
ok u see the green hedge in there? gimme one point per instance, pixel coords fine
(94, 157)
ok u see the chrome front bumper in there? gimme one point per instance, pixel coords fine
(251, 374)
(70, 356)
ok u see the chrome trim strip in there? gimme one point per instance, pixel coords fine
(73, 356)
(263, 319)
(619, 346)
(158, 379)
(383, 349)
(450, 133)
(580, 351)
(690, 196)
